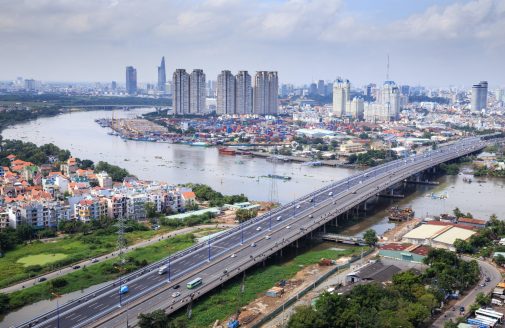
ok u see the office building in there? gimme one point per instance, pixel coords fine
(341, 96)
(313, 89)
(390, 99)
(162, 76)
(226, 93)
(243, 93)
(131, 80)
(265, 93)
(180, 95)
(479, 96)
(357, 108)
(30, 85)
(113, 85)
(321, 88)
(197, 92)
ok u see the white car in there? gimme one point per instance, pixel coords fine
(330, 193)
(176, 294)
(278, 218)
(233, 255)
(253, 245)
(267, 237)
(287, 227)
(258, 228)
(297, 206)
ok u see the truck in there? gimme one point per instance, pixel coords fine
(163, 269)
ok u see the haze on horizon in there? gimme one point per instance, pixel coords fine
(430, 42)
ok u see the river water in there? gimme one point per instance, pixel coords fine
(79, 133)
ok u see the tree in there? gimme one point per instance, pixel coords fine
(25, 232)
(457, 213)
(4, 303)
(482, 299)
(244, 215)
(304, 317)
(370, 237)
(8, 240)
(500, 260)
(155, 319)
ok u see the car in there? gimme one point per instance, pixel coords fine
(94, 260)
(354, 192)
(233, 255)
(225, 271)
(298, 206)
(123, 289)
(278, 218)
(258, 229)
(461, 309)
(330, 193)
(311, 216)
(41, 279)
(483, 285)
(287, 227)
(253, 245)
(176, 286)
(312, 200)
(75, 267)
(176, 294)
(488, 279)
(267, 237)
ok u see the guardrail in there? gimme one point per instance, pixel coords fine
(368, 173)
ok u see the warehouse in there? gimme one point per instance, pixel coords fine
(438, 236)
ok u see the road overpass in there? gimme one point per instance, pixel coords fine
(227, 255)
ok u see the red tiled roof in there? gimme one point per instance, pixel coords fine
(471, 221)
(188, 194)
(441, 223)
(395, 247)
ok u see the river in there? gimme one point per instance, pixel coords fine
(79, 133)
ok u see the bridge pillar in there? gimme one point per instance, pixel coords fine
(296, 243)
(324, 228)
(365, 207)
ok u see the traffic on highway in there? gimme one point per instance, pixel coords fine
(179, 279)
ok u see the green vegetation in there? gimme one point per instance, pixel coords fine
(370, 237)
(84, 241)
(8, 118)
(116, 173)
(407, 302)
(159, 319)
(449, 169)
(98, 273)
(30, 152)
(224, 302)
(41, 259)
(244, 215)
(215, 198)
(482, 171)
(370, 158)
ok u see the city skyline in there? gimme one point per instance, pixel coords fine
(430, 42)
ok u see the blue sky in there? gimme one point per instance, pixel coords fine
(434, 43)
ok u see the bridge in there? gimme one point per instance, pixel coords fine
(227, 255)
(116, 106)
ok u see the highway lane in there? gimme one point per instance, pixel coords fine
(74, 315)
(350, 199)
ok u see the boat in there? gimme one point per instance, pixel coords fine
(199, 144)
(226, 151)
(281, 177)
(316, 163)
(397, 214)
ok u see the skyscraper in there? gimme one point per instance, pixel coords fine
(226, 93)
(131, 80)
(390, 99)
(162, 76)
(266, 89)
(341, 96)
(243, 93)
(479, 96)
(321, 88)
(197, 92)
(180, 92)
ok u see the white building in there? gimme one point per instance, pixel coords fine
(266, 88)
(226, 93)
(180, 96)
(243, 93)
(197, 92)
(341, 96)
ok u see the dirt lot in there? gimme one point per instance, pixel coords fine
(400, 229)
(255, 310)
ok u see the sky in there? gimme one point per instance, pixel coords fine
(429, 42)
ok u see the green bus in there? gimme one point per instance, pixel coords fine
(194, 283)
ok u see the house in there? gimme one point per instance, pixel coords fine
(375, 271)
(188, 198)
(472, 222)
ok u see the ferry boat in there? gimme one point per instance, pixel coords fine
(226, 151)
(199, 144)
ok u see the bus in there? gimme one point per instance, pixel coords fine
(490, 314)
(194, 283)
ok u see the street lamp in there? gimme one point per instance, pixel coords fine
(57, 309)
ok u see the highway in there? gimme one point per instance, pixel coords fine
(239, 248)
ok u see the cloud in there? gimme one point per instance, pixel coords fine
(301, 37)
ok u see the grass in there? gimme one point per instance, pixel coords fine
(224, 302)
(100, 272)
(71, 249)
(41, 259)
